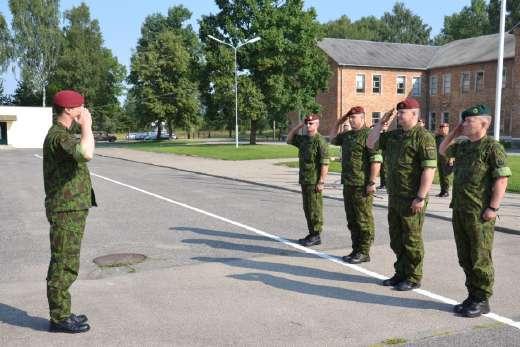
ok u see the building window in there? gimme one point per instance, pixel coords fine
(446, 117)
(401, 84)
(360, 83)
(479, 81)
(376, 84)
(433, 85)
(416, 86)
(376, 117)
(446, 84)
(504, 77)
(431, 121)
(465, 82)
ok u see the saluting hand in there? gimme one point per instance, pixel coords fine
(389, 116)
(458, 130)
(84, 119)
(417, 205)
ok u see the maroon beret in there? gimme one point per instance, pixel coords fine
(311, 117)
(408, 103)
(355, 110)
(68, 98)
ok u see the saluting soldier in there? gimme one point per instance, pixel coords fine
(411, 159)
(480, 182)
(68, 197)
(444, 165)
(359, 169)
(314, 165)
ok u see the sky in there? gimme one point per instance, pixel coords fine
(121, 20)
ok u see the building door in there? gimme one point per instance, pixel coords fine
(3, 133)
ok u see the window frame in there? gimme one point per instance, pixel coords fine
(378, 118)
(364, 84)
(462, 74)
(432, 124)
(444, 84)
(397, 84)
(380, 84)
(483, 78)
(433, 91)
(415, 78)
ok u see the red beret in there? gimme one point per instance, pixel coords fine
(68, 98)
(355, 110)
(311, 117)
(408, 103)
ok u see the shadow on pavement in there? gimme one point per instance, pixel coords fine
(295, 270)
(14, 316)
(341, 293)
(247, 248)
(220, 233)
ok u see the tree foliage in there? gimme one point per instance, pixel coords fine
(164, 72)
(89, 67)
(6, 52)
(512, 14)
(286, 68)
(37, 40)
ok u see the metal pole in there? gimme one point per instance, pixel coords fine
(236, 99)
(500, 67)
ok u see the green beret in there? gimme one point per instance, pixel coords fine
(476, 110)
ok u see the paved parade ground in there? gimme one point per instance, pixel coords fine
(223, 267)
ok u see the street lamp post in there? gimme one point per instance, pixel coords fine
(235, 49)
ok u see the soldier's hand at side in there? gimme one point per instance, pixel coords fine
(451, 161)
(371, 189)
(417, 206)
(319, 187)
(489, 214)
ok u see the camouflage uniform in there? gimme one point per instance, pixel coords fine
(406, 154)
(355, 174)
(68, 197)
(478, 164)
(444, 170)
(313, 153)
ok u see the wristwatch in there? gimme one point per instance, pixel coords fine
(419, 198)
(493, 209)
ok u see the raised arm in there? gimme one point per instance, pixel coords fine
(374, 134)
(334, 130)
(448, 141)
(293, 132)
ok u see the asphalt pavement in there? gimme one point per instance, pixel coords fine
(223, 267)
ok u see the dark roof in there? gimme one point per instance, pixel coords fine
(378, 54)
(348, 52)
(473, 50)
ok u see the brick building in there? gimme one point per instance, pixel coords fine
(445, 79)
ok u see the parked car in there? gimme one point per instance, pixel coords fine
(104, 136)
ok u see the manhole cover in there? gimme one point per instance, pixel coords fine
(120, 259)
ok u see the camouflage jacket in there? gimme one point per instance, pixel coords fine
(477, 165)
(356, 157)
(65, 173)
(406, 154)
(438, 140)
(313, 153)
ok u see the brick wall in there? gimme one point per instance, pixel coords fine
(456, 100)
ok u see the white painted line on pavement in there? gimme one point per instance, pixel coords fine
(333, 259)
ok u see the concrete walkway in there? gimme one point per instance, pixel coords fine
(268, 173)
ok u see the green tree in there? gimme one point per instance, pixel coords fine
(251, 105)
(25, 95)
(366, 28)
(89, 67)
(286, 66)
(164, 72)
(4, 99)
(37, 40)
(6, 52)
(471, 21)
(512, 14)
(403, 26)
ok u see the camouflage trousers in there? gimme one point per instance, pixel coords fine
(313, 208)
(360, 219)
(474, 240)
(406, 238)
(444, 177)
(66, 232)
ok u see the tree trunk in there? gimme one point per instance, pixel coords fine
(209, 134)
(188, 133)
(159, 128)
(252, 135)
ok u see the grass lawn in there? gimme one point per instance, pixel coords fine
(512, 161)
(222, 151)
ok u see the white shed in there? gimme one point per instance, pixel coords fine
(24, 127)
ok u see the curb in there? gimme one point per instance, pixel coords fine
(501, 229)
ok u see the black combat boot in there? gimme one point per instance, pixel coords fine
(310, 240)
(407, 285)
(346, 258)
(476, 308)
(392, 281)
(69, 326)
(460, 307)
(80, 318)
(359, 258)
